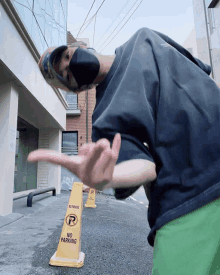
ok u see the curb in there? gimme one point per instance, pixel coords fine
(10, 218)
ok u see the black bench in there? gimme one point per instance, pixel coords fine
(35, 193)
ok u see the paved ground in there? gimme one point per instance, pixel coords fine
(140, 196)
(114, 237)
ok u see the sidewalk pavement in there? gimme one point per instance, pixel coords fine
(113, 238)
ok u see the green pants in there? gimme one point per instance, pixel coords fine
(189, 245)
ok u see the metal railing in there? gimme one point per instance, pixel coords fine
(69, 150)
(73, 106)
(35, 193)
(39, 192)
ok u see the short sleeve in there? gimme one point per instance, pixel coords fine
(131, 148)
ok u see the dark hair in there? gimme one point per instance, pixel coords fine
(75, 44)
(57, 58)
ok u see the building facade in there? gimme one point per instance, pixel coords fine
(204, 40)
(33, 115)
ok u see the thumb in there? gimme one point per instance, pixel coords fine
(116, 145)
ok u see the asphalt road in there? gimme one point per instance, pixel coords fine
(113, 238)
(140, 196)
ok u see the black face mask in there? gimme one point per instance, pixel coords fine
(84, 66)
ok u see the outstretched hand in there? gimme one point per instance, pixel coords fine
(94, 164)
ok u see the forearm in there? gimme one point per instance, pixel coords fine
(135, 172)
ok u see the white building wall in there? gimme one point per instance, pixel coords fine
(43, 167)
(203, 23)
(24, 93)
(190, 43)
(215, 44)
(8, 128)
(201, 33)
(49, 175)
(54, 173)
(14, 53)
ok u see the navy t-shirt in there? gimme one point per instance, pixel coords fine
(157, 93)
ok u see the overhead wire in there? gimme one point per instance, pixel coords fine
(62, 8)
(53, 18)
(86, 18)
(94, 31)
(94, 15)
(80, 27)
(34, 18)
(123, 25)
(113, 21)
(118, 24)
(39, 28)
(65, 17)
(40, 14)
(88, 23)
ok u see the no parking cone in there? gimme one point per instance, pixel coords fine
(69, 248)
(91, 199)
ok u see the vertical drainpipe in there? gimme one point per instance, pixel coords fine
(207, 31)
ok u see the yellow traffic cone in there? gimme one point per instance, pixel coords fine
(91, 199)
(69, 248)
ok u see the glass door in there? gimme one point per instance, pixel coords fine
(25, 173)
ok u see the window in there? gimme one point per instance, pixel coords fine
(210, 16)
(72, 100)
(70, 143)
(211, 20)
(45, 20)
(24, 9)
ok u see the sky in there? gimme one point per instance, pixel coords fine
(172, 17)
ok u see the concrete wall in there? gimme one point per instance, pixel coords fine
(190, 43)
(49, 175)
(78, 124)
(16, 56)
(202, 37)
(215, 44)
(201, 33)
(8, 126)
(24, 93)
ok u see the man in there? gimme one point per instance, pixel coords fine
(151, 91)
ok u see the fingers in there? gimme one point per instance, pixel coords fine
(55, 158)
(83, 151)
(101, 171)
(94, 164)
(116, 145)
(87, 167)
(47, 155)
(109, 159)
(44, 155)
(105, 157)
(104, 167)
(109, 163)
